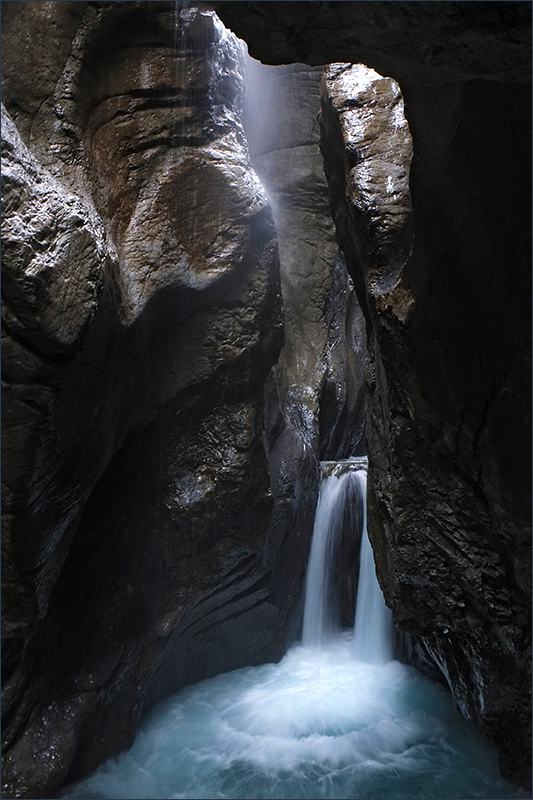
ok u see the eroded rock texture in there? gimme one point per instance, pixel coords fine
(325, 341)
(446, 291)
(437, 482)
(134, 428)
(142, 315)
(160, 442)
(316, 393)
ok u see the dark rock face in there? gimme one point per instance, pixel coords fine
(447, 300)
(323, 360)
(421, 42)
(449, 514)
(161, 446)
(142, 316)
(45, 232)
(134, 427)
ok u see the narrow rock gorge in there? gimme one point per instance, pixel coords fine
(446, 290)
(217, 273)
(164, 411)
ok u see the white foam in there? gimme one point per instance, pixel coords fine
(335, 718)
(318, 724)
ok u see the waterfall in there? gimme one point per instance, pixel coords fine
(341, 720)
(373, 631)
(341, 512)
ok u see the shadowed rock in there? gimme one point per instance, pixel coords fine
(151, 539)
(448, 513)
(450, 339)
(134, 443)
(142, 316)
(431, 43)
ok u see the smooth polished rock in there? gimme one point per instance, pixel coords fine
(143, 314)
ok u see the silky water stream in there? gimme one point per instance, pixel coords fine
(337, 717)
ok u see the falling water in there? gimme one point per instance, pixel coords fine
(373, 631)
(322, 723)
(342, 488)
(340, 492)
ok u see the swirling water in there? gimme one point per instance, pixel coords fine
(335, 718)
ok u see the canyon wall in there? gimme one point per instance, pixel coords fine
(317, 392)
(161, 432)
(160, 436)
(142, 314)
(445, 286)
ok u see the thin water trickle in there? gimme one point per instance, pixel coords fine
(373, 629)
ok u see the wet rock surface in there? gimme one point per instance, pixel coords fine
(161, 457)
(448, 515)
(316, 394)
(103, 484)
(449, 420)
(142, 316)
